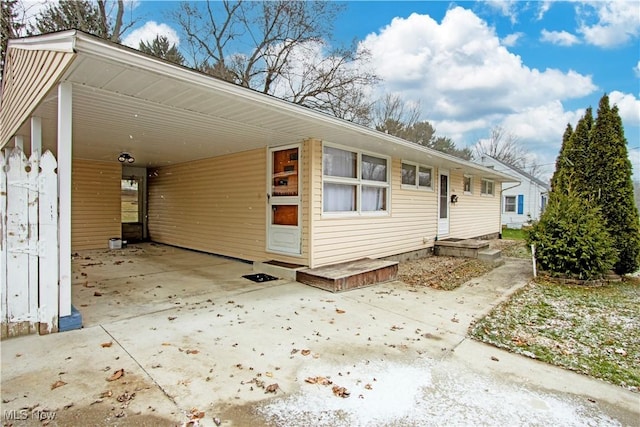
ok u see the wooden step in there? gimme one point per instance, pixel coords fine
(349, 275)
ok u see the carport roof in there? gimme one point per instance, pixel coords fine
(125, 100)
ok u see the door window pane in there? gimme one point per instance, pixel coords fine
(285, 173)
(444, 196)
(285, 215)
(129, 200)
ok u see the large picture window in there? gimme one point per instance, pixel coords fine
(354, 182)
(417, 176)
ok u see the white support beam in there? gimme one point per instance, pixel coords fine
(65, 123)
(36, 135)
(18, 141)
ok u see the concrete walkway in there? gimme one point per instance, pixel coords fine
(402, 355)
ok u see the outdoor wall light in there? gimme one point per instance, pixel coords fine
(126, 158)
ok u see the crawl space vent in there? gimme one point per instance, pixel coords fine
(260, 277)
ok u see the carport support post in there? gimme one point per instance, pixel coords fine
(64, 191)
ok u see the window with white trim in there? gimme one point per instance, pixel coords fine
(509, 203)
(486, 187)
(467, 184)
(354, 182)
(417, 176)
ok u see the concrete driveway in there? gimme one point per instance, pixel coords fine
(173, 349)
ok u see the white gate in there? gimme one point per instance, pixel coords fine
(29, 248)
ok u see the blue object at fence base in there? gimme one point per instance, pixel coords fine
(71, 322)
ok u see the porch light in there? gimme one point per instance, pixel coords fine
(126, 157)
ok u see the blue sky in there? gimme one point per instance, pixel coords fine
(530, 67)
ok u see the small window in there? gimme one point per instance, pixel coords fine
(424, 177)
(487, 187)
(467, 184)
(509, 203)
(374, 168)
(408, 174)
(417, 176)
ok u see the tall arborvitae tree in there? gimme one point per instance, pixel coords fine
(577, 155)
(162, 48)
(609, 185)
(560, 179)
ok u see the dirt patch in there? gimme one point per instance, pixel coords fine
(440, 272)
(511, 248)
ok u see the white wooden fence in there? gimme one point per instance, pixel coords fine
(29, 249)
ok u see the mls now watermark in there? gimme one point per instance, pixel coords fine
(25, 414)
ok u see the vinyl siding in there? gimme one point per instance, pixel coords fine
(217, 205)
(38, 71)
(475, 214)
(95, 204)
(413, 218)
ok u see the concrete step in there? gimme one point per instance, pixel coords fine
(349, 275)
(490, 255)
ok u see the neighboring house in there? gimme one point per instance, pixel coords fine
(523, 200)
(219, 168)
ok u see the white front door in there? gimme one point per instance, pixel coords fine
(443, 204)
(284, 213)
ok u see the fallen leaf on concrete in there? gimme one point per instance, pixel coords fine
(166, 344)
(340, 311)
(193, 351)
(57, 384)
(368, 386)
(116, 375)
(118, 262)
(172, 317)
(107, 393)
(294, 351)
(305, 352)
(106, 344)
(318, 380)
(217, 421)
(68, 406)
(269, 374)
(455, 320)
(495, 359)
(272, 388)
(340, 391)
(125, 397)
(97, 294)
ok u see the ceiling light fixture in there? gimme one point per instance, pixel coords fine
(126, 158)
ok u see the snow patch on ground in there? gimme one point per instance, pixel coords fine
(424, 392)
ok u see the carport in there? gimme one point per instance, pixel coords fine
(146, 278)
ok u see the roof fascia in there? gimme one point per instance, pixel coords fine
(63, 41)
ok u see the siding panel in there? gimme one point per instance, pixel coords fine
(475, 214)
(95, 204)
(218, 205)
(29, 76)
(411, 220)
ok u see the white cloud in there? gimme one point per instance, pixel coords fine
(618, 22)
(506, 8)
(628, 106)
(149, 31)
(543, 8)
(561, 38)
(512, 39)
(636, 69)
(461, 70)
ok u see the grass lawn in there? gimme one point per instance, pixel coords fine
(513, 234)
(590, 330)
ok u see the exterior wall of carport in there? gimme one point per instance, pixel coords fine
(219, 205)
(95, 204)
(410, 226)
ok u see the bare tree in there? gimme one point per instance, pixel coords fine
(394, 116)
(104, 19)
(279, 48)
(10, 27)
(505, 146)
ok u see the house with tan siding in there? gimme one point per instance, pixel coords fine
(207, 165)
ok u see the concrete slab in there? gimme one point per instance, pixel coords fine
(220, 341)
